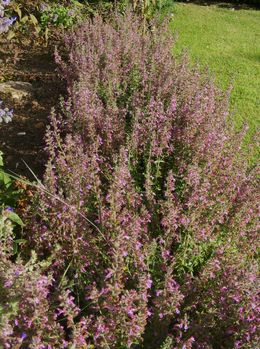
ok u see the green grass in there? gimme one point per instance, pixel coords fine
(228, 42)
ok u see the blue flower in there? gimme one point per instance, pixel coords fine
(23, 335)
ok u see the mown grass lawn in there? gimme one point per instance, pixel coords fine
(228, 42)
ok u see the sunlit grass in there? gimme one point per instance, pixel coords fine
(228, 42)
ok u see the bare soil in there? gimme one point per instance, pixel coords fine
(22, 140)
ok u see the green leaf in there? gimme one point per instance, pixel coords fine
(78, 4)
(15, 219)
(46, 34)
(18, 11)
(34, 20)
(15, 248)
(11, 34)
(20, 241)
(17, 243)
(5, 179)
(24, 19)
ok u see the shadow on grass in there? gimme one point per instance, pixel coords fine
(254, 57)
(225, 4)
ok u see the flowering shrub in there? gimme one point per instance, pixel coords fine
(145, 227)
(24, 311)
(5, 22)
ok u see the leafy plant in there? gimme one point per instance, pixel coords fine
(58, 15)
(9, 194)
(147, 196)
(35, 19)
(144, 229)
(26, 21)
(5, 21)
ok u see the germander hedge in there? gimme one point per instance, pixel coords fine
(144, 233)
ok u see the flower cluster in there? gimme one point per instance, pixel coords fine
(5, 22)
(145, 225)
(6, 114)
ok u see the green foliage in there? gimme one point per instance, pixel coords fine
(8, 218)
(60, 15)
(8, 221)
(9, 194)
(192, 256)
(159, 7)
(147, 9)
(26, 20)
(37, 20)
(167, 344)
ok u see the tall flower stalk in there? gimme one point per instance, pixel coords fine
(147, 213)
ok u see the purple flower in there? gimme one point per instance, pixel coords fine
(149, 283)
(23, 335)
(9, 209)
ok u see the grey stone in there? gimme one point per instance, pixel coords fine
(16, 90)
